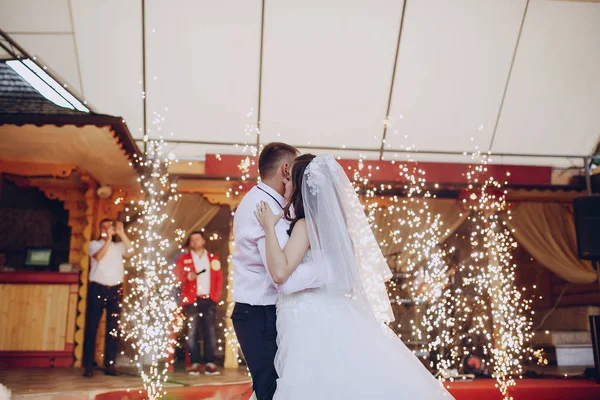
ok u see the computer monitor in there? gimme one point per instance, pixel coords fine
(38, 257)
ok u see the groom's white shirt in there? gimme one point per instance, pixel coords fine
(252, 283)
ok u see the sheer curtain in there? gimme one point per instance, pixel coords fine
(547, 232)
(190, 213)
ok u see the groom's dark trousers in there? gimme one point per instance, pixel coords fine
(256, 330)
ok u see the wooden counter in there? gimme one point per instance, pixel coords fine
(37, 318)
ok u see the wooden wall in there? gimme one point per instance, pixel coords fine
(38, 319)
(76, 190)
(35, 316)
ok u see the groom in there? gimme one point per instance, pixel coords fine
(255, 293)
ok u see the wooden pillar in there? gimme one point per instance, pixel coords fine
(72, 315)
(231, 345)
(90, 201)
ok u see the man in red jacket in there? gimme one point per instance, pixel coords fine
(201, 287)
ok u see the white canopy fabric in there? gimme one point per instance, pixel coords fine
(508, 76)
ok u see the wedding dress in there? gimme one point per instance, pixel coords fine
(333, 342)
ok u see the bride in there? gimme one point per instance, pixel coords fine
(332, 341)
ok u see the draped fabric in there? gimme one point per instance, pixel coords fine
(190, 213)
(392, 232)
(547, 232)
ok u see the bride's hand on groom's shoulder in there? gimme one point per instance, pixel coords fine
(265, 215)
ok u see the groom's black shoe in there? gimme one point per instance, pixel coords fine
(111, 371)
(88, 372)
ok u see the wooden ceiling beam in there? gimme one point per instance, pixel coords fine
(27, 169)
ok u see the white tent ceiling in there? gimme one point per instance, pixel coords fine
(509, 76)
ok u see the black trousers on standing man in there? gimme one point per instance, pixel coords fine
(201, 320)
(256, 330)
(102, 297)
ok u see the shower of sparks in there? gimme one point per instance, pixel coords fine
(417, 232)
(482, 314)
(151, 316)
(505, 320)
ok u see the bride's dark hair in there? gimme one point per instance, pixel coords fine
(296, 204)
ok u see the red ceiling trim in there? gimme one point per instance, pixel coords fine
(389, 171)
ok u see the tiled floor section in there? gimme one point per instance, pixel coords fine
(54, 384)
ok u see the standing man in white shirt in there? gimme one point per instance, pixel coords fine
(105, 291)
(255, 294)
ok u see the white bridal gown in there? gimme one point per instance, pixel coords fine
(330, 348)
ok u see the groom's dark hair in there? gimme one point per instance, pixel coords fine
(271, 156)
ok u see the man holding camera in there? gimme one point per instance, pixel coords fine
(105, 291)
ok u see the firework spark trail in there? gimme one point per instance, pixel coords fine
(486, 307)
(419, 231)
(509, 327)
(151, 316)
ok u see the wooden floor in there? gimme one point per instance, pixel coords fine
(68, 384)
(51, 384)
